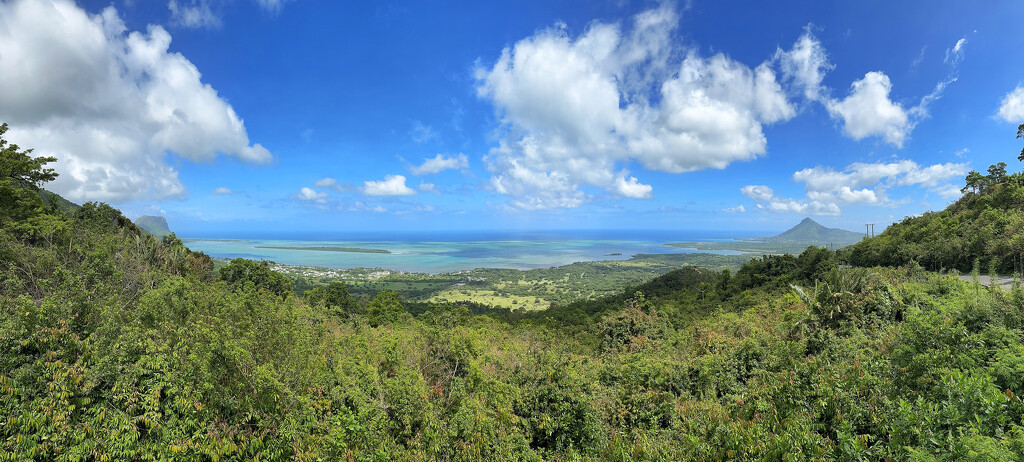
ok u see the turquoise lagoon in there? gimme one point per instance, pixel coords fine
(447, 252)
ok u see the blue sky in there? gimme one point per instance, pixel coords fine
(287, 116)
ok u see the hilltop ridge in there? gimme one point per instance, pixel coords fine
(985, 227)
(155, 225)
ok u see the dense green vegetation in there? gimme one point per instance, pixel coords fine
(117, 345)
(529, 290)
(985, 227)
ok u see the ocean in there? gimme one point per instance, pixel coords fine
(437, 252)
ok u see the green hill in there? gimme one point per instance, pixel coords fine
(986, 226)
(809, 231)
(54, 199)
(116, 345)
(156, 226)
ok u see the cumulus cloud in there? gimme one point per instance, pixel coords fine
(868, 111)
(1012, 107)
(222, 190)
(758, 193)
(573, 109)
(311, 195)
(859, 183)
(632, 188)
(932, 175)
(786, 205)
(392, 185)
(109, 103)
(440, 163)
(767, 200)
(806, 65)
(736, 209)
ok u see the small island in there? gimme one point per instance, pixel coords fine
(324, 249)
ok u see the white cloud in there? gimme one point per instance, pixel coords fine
(786, 205)
(1012, 107)
(573, 108)
(858, 183)
(272, 6)
(109, 104)
(222, 190)
(956, 54)
(866, 183)
(736, 209)
(949, 191)
(932, 175)
(805, 65)
(329, 183)
(311, 195)
(868, 111)
(758, 193)
(392, 185)
(439, 163)
(429, 187)
(767, 200)
(632, 188)
(195, 14)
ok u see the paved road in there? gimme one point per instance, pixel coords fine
(1005, 282)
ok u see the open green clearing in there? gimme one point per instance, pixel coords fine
(509, 288)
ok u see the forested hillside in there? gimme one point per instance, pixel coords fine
(116, 345)
(985, 227)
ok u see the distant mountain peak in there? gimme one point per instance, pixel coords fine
(810, 231)
(154, 224)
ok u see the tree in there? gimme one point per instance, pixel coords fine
(385, 308)
(335, 298)
(1020, 135)
(240, 270)
(21, 208)
(973, 182)
(19, 170)
(997, 173)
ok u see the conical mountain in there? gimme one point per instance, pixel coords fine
(810, 231)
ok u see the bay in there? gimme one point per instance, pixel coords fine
(441, 252)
